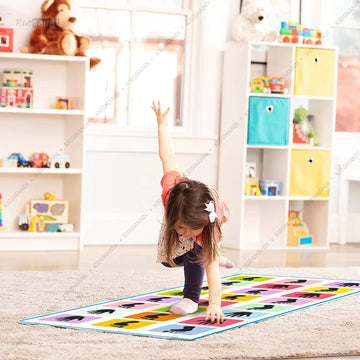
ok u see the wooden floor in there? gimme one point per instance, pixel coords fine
(143, 257)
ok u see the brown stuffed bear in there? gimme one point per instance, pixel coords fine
(53, 34)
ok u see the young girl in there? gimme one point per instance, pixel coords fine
(191, 229)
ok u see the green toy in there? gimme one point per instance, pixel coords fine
(304, 122)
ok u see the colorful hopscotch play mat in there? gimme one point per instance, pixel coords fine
(245, 299)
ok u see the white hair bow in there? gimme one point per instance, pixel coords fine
(210, 207)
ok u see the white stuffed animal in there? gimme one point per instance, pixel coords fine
(250, 24)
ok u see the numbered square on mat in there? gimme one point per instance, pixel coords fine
(277, 286)
(238, 297)
(154, 316)
(293, 281)
(250, 278)
(330, 289)
(225, 284)
(264, 307)
(177, 329)
(157, 299)
(130, 305)
(102, 311)
(287, 301)
(179, 293)
(345, 284)
(70, 318)
(254, 291)
(243, 315)
(205, 303)
(124, 324)
(202, 321)
(167, 309)
(308, 295)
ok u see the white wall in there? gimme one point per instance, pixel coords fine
(124, 170)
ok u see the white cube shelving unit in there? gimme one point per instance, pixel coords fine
(260, 222)
(44, 129)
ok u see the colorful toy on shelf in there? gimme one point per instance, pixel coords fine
(39, 160)
(303, 132)
(17, 89)
(25, 219)
(60, 162)
(298, 232)
(64, 103)
(277, 85)
(6, 32)
(270, 187)
(250, 170)
(21, 162)
(252, 186)
(2, 228)
(292, 32)
(45, 212)
(259, 84)
(267, 85)
(9, 163)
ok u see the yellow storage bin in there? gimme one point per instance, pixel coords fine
(310, 173)
(314, 72)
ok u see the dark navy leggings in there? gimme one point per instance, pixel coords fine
(193, 272)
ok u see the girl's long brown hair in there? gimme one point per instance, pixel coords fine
(186, 204)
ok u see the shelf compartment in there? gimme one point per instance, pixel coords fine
(268, 122)
(315, 215)
(63, 137)
(310, 173)
(265, 225)
(52, 77)
(18, 191)
(312, 70)
(270, 165)
(323, 111)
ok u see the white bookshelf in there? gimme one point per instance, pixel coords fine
(44, 129)
(260, 222)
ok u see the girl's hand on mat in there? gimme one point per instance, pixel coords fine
(161, 116)
(214, 313)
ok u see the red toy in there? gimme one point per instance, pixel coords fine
(14, 97)
(39, 160)
(6, 33)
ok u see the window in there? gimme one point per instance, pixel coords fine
(346, 35)
(143, 59)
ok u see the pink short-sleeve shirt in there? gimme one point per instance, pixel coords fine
(168, 181)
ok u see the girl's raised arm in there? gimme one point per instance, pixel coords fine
(166, 151)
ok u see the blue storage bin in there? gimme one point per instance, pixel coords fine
(268, 121)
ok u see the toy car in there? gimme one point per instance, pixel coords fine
(20, 160)
(260, 84)
(60, 162)
(277, 85)
(39, 160)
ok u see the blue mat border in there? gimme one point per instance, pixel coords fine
(174, 337)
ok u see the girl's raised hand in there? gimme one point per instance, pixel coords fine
(161, 116)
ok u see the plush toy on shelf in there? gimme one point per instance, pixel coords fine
(251, 23)
(303, 132)
(54, 35)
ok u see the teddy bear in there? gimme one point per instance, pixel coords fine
(250, 24)
(53, 34)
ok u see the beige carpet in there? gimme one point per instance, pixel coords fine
(331, 329)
